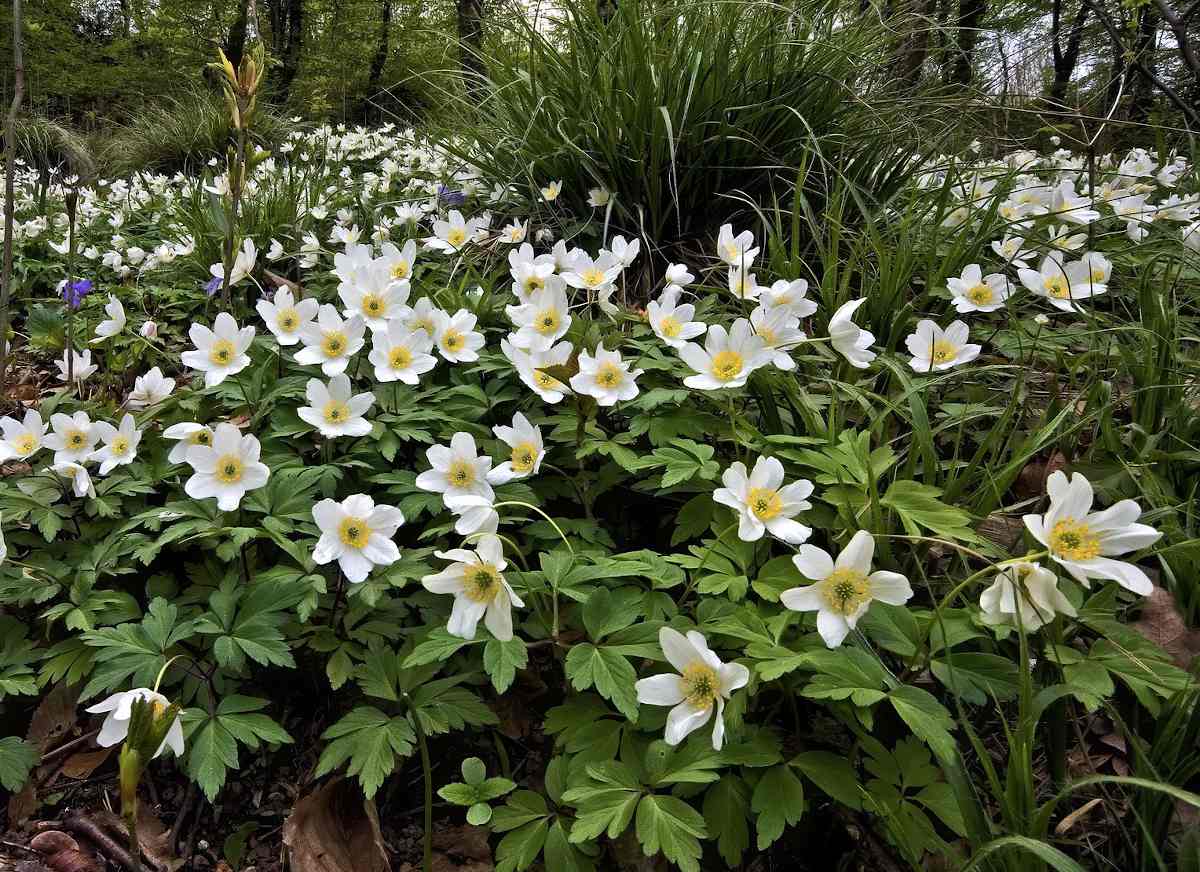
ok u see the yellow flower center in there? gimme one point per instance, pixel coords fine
(76, 439)
(523, 456)
(944, 351)
(399, 357)
(726, 365)
(609, 375)
(846, 591)
(767, 334)
(334, 343)
(547, 322)
(534, 283)
(26, 443)
(1074, 540)
(336, 412)
(288, 320)
(669, 327)
(201, 437)
(373, 305)
(701, 686)
(1057, 287)
(764, 503)
(740, 286)
(980, 294)
(453, 340)
(400, 269)
(481, 582)
(354, 532)
(222, 352)
(425, 324)
(120, 446)
(1097, 275)
(732, 252)
(544, 380)
(229, 469)
(461, 473)
(592, 276)
(456, 236)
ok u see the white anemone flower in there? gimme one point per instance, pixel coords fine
(81, 363)
(514, 232)
(334, 409)
(374, 295)
(455, 336)
(727, 358)
(285, 316)
(422, 315)
(243, 263)
(779, 329)
(1066, 205)
(357, 534)
(605, 377)
(737, 251)
(551, 191)
(934, 349)
(764, 504)
(114, 323)
(792, 294)
(73, 439)
(848, 339)
(21, 439)
(525, 440)
(221, 351)
(588, 274)
(542, 320)
(475, 579)
(453, 233)
(1023, 595)
(532, 368)
(118, 445)
(1061, 284)
(678, 274)
(81, 479)
(1084, 542)
(672, 321)
(185, 434)
(975, 292)
(227, 468)
(473, 514)
(458, 470)
(331, 341)
(400, 262)
(149, 389)
(531, 276)
(844, 588)
(703, 686)
(118, 709)
(1011, 249)
(1191, 236)
(401, 354)
(598, 198)
(626, 251)
(743, 284)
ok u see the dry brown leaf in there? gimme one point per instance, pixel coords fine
(1003, 531)
(84, 763)
(468, 842)
(334, 830)
(62, 853)
(1074, 817)
(153, 836)
(56, 716)
(1031, 482)
(1161, 623)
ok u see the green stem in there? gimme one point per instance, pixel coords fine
(427, 772)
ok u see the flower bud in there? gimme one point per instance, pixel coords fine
(149, 330)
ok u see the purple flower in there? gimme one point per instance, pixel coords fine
(450, 197)
(212, 286)
(74, 293)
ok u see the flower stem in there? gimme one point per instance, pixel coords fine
(427, 773)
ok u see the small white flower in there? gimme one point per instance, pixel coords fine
(330, 341)
(790, 294)
(115, 322)
(22, 439)
(763, 503)
(81, 479)
(533, 275)
(525, 440)
(149, 389)
(374, 295)
(476, 580)
(334, 410)
(458, 470)
(551, 191)
(703, 684)
(451, 235)
(743, 284)
(473, 514)
(625, 251)
(82, 363)
(592, 275)
(542, 320)
(274, 250)
(1068, 206)
(1012, 250)
(118, 444)
(119, 708)
(1062, 284)
(848, 339)
(226, 469)
(357, 534)
(605, 377)
(1191, 236)
(727, 358)
(678, 274)
(221, 351)
(243, 263)
(779, 329)
(935, 349)
(423, 315)
(455, 336)
(1024, 595)
(401, 354)
(148, 330)
(737, 251)
(975, 292)
(400, 262)
(598, 198)
(1084, 542)
(672, 321)
(514, 233)
(844, 588)
(73, 438)
(188, 433)
(285, 317)
(532, 368)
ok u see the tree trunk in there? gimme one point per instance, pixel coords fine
(1142, 96)
(470, 46)
(381, 49)
(970, 18)
(1065, 58)
(911, 20)
(10, 156)
(293, 42)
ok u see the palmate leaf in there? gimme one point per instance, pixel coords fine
(610, 673)
(443, 706)
(847, 673)
(726, 806)
(247, 621)
(370, 741)
(670, 825)
(920, 508)
(17, 759)
(778, 801)
(17, 656)
(501, 660)
(606, 804)
(133, 653)
(213, 739)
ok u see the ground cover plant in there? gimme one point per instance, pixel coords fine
(368, 490)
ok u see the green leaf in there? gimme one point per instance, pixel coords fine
(832, 773)
(846, 673)
(520, 847)
(609, 672)
(606, 804)
(438, 646)
(778, 801)
(521, 808)
(670, 825)
(726, 807)
(920, 509)
(925, 716)
(212, 747)
(459, 793)
(479, 814)
(561, 855)
(371, 741)
(604, 613)
(473, 770)
(17, 759)
(501, 660)
(978, 677)
(693, 519)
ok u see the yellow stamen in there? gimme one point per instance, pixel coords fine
(373, 305)
(764, 503)
(453, 340)
(701, 685)
(1057, 287)
(26, 443)
(222, 352)
(461, 474)
(334, 343)
(669, 327)
(76, 439)
(846, 591)
(481, 582)
(523, 457)
(943, 351)
(456, 236)
(120, 446)
(288, 320)
(229, 469)
(727, 365)
(400, 357)
(400, 269)
(1074, 540)
(980, 294)
(354, 532)
(609, 375)
(336, 412)
(547, 322)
